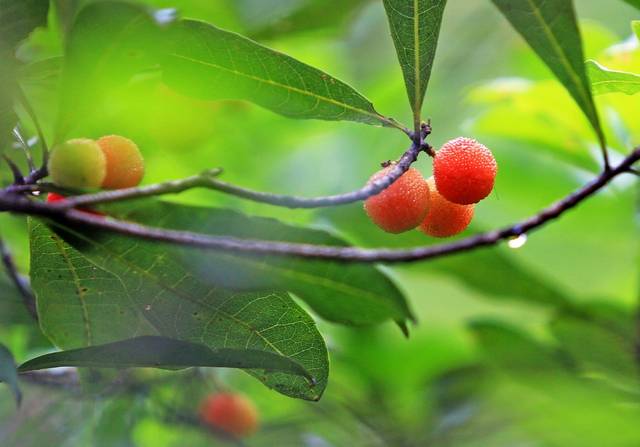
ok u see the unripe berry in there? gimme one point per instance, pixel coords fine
(231, 413)
(125, 166)
(464, 171)
(403, 205)
(445, 218)
(78, 163)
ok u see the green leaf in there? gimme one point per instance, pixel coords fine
(551, 29)
(354, 294)
(598, 348)
(509, 349)
(9, 373)
(635, 3)
(8, 117)
(18, 18)
(635, 25)
(210, 63)
(604, 80)
(108, 43)
(495, 272)
(415, 27)
(266, 19)
(163, 352)
(12, 308)
(94, 289)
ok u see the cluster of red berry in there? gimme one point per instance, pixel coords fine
(464, 172)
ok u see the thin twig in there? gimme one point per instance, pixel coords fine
(20, 282)
(18, 179)
(207, 180)
(31, 188)
(36, 175)
(20, 204)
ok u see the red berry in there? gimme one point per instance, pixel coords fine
(403, 205)
(231, 413)
(445, 218)
(53, 197)
(464, 171)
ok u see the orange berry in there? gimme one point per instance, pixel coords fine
(445, 218)
(125, 165)
(403, 205)
(464, 171)
(231, 413)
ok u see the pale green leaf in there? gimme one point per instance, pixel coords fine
(604, 80)
(550, 28)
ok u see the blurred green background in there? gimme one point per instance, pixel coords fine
(495, 359)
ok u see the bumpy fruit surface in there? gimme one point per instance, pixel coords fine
(125, 165)
(445, 218)
(403, 205)
(78, 163)
(465, 171)
(231, 413)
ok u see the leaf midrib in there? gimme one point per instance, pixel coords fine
(285, 87)
(563, 58)
(80, 292)
(172, 290)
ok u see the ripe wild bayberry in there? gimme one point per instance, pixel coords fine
(53, 197)
(125, 165)
(231, 413)
(464, 171)
(403, 205)
(445, 218)
(78, 163)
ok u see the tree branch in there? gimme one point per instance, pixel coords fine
(20, 204)
(207, 180)
(20, 282)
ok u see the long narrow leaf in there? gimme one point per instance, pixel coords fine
(551, 29)
(164, 352)
(210, 63)
(8, 372)
(415, 26)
